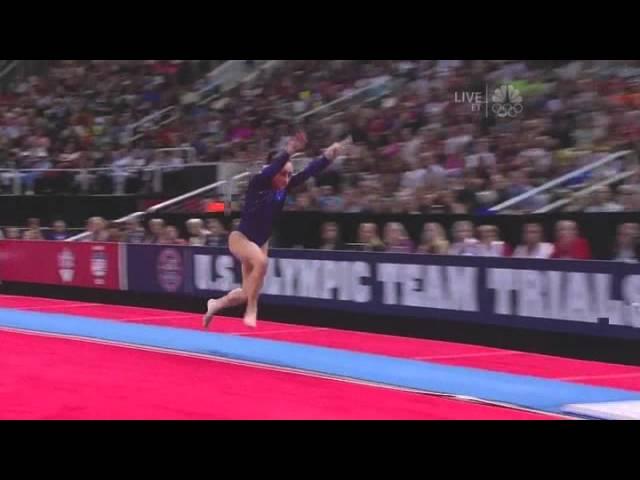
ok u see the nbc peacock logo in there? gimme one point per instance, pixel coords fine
(507, 101)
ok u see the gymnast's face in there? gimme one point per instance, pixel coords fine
(281, 180)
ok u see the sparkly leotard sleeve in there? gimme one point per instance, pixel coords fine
(263, 203)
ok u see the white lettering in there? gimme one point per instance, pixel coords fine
(202, 271)
(288, 268)
(330, 272)
(387, 274)
(600, 299)
(272, 283)
(434, 287)
(224, 270)
(554, 297)
(344, 285)
(577, 297)
(530, 292)
(361, 293)
(310, 284)
(411, 296)
(631, 295)
(616, 312)
(501, 281)
(462, 286)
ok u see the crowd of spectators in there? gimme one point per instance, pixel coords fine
(420, 148)
(465, 238)
(80, 115)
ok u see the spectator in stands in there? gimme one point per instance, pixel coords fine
(433, 240)
(396, 238)
(448, 204)
(97, 228)
(629, 198)
(351, 202)
(58, 231)
(171, 236)
(196, 231)
(33, 231)
(12, 233)
(133, 232)
(328, 200)
(602, 202)
(627, 247)
(463, 241)
(32, 235)
(217, 235)
(114, 234)
(481, 157)
(569, 245)
(368, 238)
(156, 227)
(330, 237)
(489, 243)
(532, 245)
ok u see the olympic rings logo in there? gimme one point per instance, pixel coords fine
(507, 102)
(507, 109)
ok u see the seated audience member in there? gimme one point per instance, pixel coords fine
(170, 236)
(197, 233)
(368, 238)
(489, 243)
(396, 238)
(97, 228)
(156, 227)
(433, 240)
(114, 234)
(627, 247)
(532, 245)
(569, 245)
(217, 235)
(331, 237)
(463, 241)
(12, 233)
(33, 231)
(58, 231)
(133, 231)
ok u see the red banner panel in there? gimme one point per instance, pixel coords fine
(92, 265)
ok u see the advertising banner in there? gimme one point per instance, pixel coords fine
(92, 265)
(601, 298)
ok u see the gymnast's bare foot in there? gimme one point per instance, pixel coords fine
(250, 318)
(212, 308)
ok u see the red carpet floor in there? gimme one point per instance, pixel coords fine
(449, 353)
(53, 378)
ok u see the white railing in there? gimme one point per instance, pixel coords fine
(225, 77)
(377, 83)
(586, 191)
(227, 185)
(266, 66)
(218, 75)
(149, 119)
(559, 181)
(8, 68)
(16, 175)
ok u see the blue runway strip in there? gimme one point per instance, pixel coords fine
(521, 390)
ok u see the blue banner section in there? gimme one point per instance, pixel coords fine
(599, 298)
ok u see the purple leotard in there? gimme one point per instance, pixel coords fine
(263, 203)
